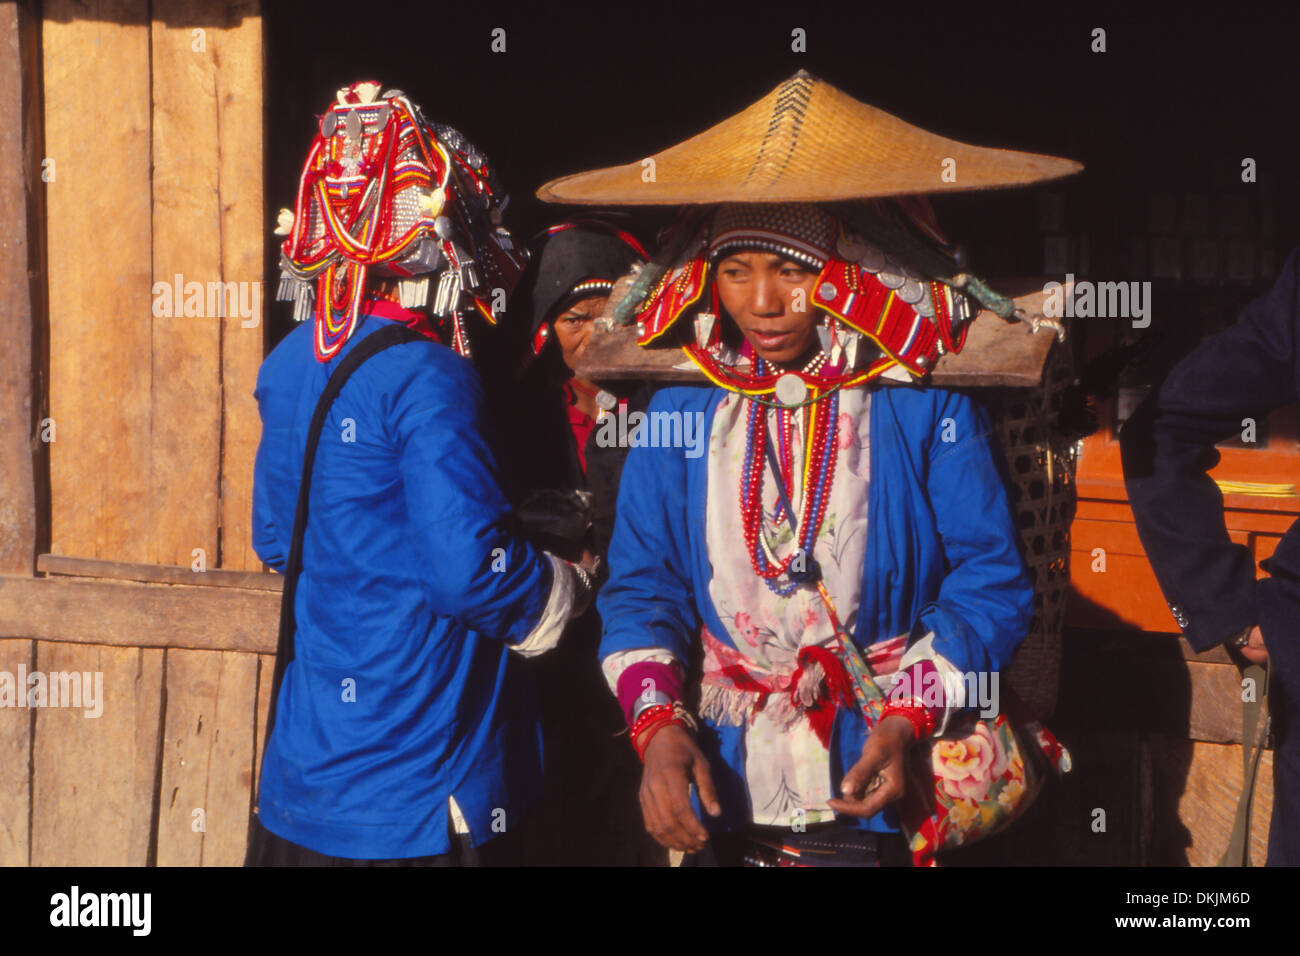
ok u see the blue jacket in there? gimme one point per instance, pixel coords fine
(943, 555)
(402, 691)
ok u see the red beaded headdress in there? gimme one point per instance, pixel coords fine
(883, 317)
(384, 192)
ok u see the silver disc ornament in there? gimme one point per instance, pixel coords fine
(790, 389)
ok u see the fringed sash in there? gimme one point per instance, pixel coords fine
(734, 687)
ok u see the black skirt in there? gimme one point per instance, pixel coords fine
(267, 849)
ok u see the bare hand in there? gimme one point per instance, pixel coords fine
(877, 779)
(1255, 651)
(672, 761)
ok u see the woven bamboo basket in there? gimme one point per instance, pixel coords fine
(1041, 464)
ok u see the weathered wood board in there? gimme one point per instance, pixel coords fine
(997, 352)
(156, 426)
(59, 564)
(127, 614)
(266, 671)
(22, 460)
(95, 779)
(207, 758)
(97, 122)
(184, 361)
(15, 758)
(243, 228)
(1203, 780)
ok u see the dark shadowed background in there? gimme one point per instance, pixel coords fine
(1161, 120)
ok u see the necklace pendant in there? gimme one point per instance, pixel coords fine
(704, 328)
(824, 338)
(851, 351)
(790, 389)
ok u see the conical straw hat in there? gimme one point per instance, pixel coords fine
(806, 141)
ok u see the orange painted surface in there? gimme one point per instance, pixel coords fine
(1125, 595)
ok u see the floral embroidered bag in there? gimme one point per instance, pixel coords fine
(968, 783)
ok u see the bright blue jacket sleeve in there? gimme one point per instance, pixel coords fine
(648, 600)
(271, 546)
(477, 569)
(986, 600)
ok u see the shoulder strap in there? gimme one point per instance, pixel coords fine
(1252, 748)
(386, 337)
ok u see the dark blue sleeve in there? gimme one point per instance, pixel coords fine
(1245, 371)
(648, 600)
(477, 570)
(986, 601)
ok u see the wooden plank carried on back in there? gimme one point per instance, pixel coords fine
(996, 352)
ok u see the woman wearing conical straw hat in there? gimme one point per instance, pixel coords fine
(839, 553)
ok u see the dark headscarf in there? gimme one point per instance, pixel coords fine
(577, 260)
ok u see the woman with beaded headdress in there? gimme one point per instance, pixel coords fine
(402, 728)
(823, 505)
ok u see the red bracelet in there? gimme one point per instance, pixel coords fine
(920, 716)
(654, 719)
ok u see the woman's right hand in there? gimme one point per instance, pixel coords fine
(673, 760)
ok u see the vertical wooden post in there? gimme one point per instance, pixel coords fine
(243, 231)
(24, 464)
(24, 471)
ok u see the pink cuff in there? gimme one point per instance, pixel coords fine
(631, 683)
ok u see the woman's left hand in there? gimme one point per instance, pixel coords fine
(877, 779)
(1255, 651)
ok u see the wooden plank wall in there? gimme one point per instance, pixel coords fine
(156, 426)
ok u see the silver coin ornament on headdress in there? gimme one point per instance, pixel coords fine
(384, 192)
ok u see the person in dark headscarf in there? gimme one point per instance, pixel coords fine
(590, 812)
(574, 269)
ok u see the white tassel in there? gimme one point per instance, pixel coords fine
(304, 304)
(413, 293)
(725, 706)
(284, 223)
(810, 684)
